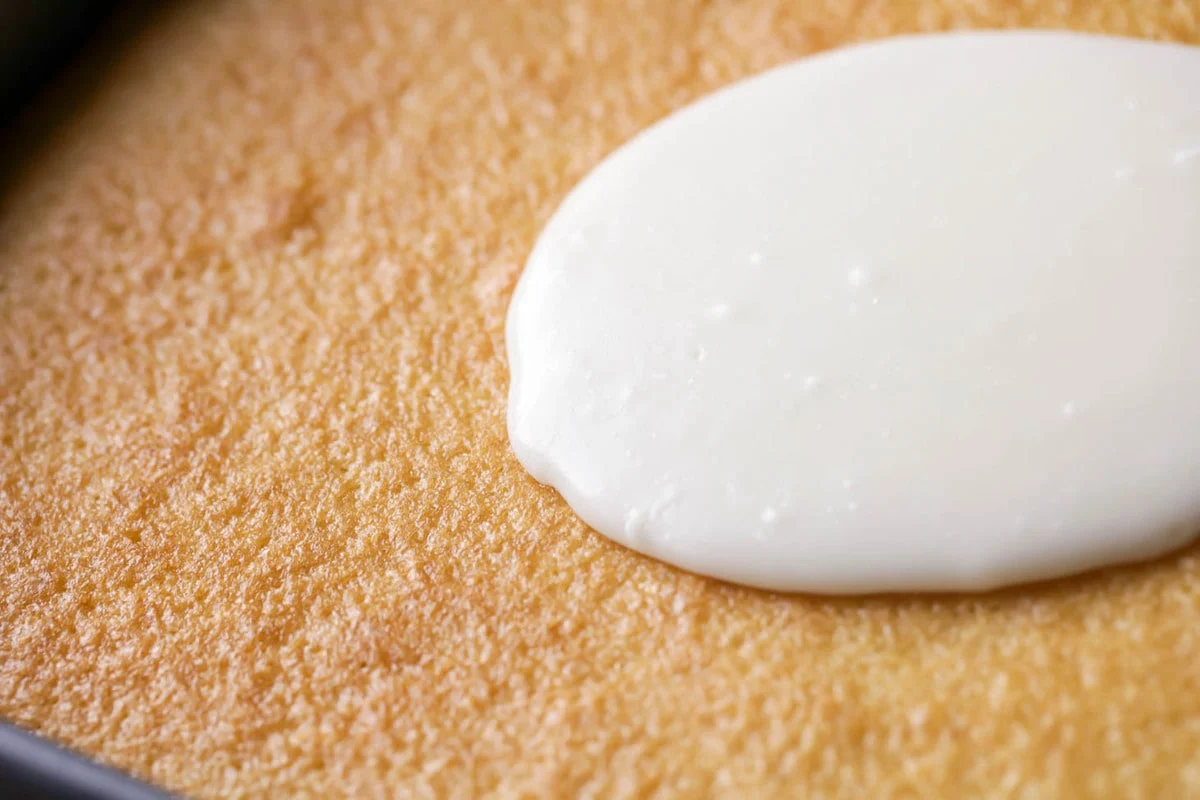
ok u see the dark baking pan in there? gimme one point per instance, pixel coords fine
(53, 55)
(40, 41)
(38, 38)
(31, 767)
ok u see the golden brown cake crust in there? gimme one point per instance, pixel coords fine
(260, 528)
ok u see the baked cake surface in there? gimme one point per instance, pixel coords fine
(261, 531)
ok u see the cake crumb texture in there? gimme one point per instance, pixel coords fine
(261, 531)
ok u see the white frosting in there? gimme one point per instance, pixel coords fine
(915, 315)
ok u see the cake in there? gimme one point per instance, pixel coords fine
(261, 531)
